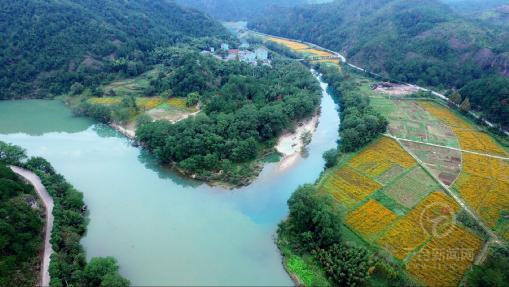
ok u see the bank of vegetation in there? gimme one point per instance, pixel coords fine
(21, 226)
(318, 249)
(68, 266)
(244, 109)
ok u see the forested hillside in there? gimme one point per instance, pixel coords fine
(498, 16)
(235, 10)
(412, 40)
(470, 6)
(46, 46)
(21, 228)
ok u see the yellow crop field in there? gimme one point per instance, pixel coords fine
(177, 103)
(290, 44)
(469, 139)
(476, 164)
(148, 103)
(478, 141)
(484, 185)
(316, 52)
(444, 261)
(348, 186)
(473, 189)
(108, 101)
(381, 156)
(370, 218)
(444, 115)
(408, 232)
(334, 61)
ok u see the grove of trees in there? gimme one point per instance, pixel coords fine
(360, 123)
(244, 109)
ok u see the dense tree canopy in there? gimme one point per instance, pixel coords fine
(493, 272)
(422, 42)
(244, 109)
(48, 46)
(491, 96)
(20, 231)
(360, 123)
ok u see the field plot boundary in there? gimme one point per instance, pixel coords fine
(453, 194)
(453, 148)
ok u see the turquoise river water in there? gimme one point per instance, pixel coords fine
(162, 228)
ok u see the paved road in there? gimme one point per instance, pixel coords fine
(48, 204)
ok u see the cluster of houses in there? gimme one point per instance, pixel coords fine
(243, 54)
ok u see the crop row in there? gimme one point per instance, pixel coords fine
(381, 156)
(370, 218)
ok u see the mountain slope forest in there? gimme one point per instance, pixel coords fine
(235, 10)
(472, 6)
(423, 42)
(46, 46)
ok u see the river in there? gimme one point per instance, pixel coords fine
(162, 228)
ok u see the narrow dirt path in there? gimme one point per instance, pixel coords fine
(452, 148)
(43, 194)
(493, 237)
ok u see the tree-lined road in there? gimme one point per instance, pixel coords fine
(43, 194)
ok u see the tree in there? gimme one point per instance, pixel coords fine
(465, 106)
(344, 265)
(494, 271)
(77, 88)
(192, 99)
(306, 138)
(313, 218)
(103, 271)
(330, 157)
(11, 154)
(114, 280)
(455, 97)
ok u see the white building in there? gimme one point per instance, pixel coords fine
(225, 47)
(262, 54)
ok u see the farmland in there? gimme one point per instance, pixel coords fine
(393, 203)
(469, 137)
(386, 195)
(302, 48)
(409, 120)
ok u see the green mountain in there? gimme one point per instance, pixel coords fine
(235, 10)
(498, 16)
(424, 42)
(471, 6)
(46, 45)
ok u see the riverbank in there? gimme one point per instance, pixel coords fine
(291, 144)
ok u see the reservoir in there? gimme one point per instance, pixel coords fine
(162, 228)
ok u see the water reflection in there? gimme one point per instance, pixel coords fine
(38, 117)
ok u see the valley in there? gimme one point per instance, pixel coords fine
(430, 156)
(306, 143)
